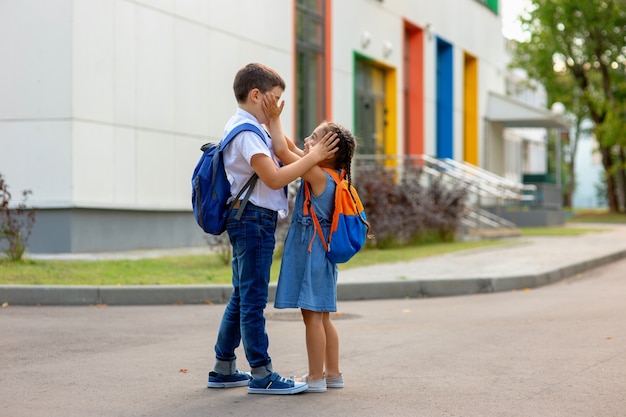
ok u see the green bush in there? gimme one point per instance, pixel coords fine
(16, 223)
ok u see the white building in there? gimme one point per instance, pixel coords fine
(589, 174)
(104, 104)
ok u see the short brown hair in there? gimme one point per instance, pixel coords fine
(255, 76)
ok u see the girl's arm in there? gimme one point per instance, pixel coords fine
(276, 178)
(284, 147)
(290, 143)
(292, 146)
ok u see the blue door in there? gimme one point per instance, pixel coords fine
(445, 100)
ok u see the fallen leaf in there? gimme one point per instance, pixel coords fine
(5, 304)
(609, 337)
(406, 310)
(183, 370)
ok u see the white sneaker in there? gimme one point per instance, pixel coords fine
(334, 381)
(331, 382)
(316, 386)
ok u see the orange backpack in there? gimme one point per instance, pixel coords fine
(348, 230)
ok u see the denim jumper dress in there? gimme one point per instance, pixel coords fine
(308, 279)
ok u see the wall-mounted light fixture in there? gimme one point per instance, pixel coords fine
(387, 49)
(366, 38)
(429, 31)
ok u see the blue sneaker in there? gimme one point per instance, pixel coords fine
(238, 379)
(275, 384)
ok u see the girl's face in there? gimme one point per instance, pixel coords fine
(315, 137)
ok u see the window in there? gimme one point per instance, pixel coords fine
(310, 66)
(370, 111)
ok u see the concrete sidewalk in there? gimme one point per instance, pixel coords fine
(525, 263)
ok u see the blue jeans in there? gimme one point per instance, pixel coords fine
(253, 241)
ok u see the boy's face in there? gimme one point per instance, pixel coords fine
(260, 113)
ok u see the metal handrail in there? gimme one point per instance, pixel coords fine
(467, 167)
(483, 182)
(479, 183)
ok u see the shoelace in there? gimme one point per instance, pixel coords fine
(283, 380)
(279, 379)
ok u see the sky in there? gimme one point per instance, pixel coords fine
(510, 9)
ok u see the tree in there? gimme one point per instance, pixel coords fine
(577, 50)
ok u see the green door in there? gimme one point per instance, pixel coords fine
(370, 112)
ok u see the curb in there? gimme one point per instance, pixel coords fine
(424, 288)
(31, 295)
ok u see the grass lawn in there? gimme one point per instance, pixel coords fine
(559, 231)
(209, 269)
(578, 218)
(597, 216)
(197, 269)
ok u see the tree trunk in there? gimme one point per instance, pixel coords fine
(621, 173)
(607, 162)
(571, 166)
(571, 186)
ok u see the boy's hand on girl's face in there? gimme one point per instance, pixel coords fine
(326, 147)
(270, 106)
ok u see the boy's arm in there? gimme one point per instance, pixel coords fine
(276, 178)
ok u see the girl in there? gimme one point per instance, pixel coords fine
(308, 280)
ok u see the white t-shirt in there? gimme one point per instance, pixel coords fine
(237, 158)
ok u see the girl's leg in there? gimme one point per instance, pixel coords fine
(332, 347)
(315, 343)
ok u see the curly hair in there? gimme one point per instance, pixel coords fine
(346, 147)
(343, 156)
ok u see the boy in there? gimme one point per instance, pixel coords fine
(252, 237)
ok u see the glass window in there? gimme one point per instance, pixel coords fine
(370, 111)
(310, 64)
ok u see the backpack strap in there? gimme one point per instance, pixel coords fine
(253, 179)
(237, 130)
(308, 206)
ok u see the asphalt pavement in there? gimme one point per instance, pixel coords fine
(557, 350)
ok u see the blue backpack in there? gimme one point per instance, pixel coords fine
(211, 189)
(348, 229)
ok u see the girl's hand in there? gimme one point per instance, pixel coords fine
(326, 147)
(271, 108)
